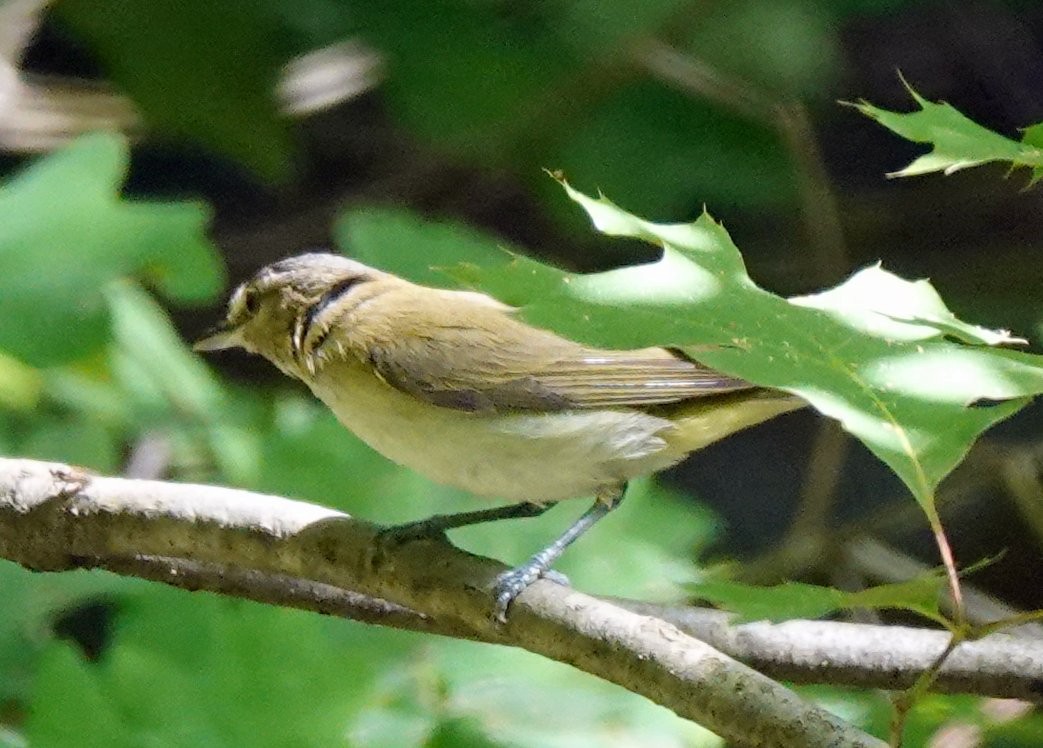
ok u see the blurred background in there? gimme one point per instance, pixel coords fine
(263, 128)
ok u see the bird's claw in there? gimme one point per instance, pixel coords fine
(555, 576)
(512, 583)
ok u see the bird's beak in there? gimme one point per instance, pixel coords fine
(218, 339)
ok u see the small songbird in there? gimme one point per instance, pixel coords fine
(453, 385)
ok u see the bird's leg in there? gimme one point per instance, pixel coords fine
(511, 583)
(437, 524)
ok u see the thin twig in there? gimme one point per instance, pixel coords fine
(1021, 477)
(949, 564)
(820, 482)
(864, 655)
(904, 701)
(882, 563)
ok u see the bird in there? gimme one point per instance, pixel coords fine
(455, 386)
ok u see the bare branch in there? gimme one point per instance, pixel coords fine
(289, 553)
(806, 652)
(54, 517)
(278, 589)
(867, 656)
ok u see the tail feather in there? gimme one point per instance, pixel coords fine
(702, 421)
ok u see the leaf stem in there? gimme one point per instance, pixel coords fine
(904, 701)
(949, 562)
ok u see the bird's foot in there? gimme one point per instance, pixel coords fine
(434, 527)
(425, 529)
(512, 583)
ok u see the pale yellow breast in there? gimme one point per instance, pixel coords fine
(517, 457)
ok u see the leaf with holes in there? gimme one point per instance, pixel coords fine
(882, 355)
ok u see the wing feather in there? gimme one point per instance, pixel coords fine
(460, 354)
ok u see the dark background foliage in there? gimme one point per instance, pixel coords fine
(666, 107)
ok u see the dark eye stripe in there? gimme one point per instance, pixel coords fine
(251, 297)
(335, 292)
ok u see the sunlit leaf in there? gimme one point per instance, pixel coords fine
(20, 385)
(875, 354)
(957, 142)
(389, 239)
(65, 233)
(144, 332)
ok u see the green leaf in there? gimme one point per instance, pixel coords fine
(403, 243)
(798, 600)
(1033, 136)
(877, 356)
(31, 603)
(90, 392)
(197, 670)
(460, 732)
(594, 26)
(766, 46)
(80, 713)
(143, 332)
(197, 69)
(77, 441)
(879, 303)
(167, 382)
(957, 142)
(462, 73)
(20, 385)
(920, 595)
(193, 669)
(309, 455)
(64, 234)
(646, 128)
(517, 698)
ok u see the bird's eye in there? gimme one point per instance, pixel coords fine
(251, 300)
(244, 304)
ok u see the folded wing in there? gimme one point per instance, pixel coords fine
(484, 360)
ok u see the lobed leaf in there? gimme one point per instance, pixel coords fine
(957, 142)
(882, 355)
